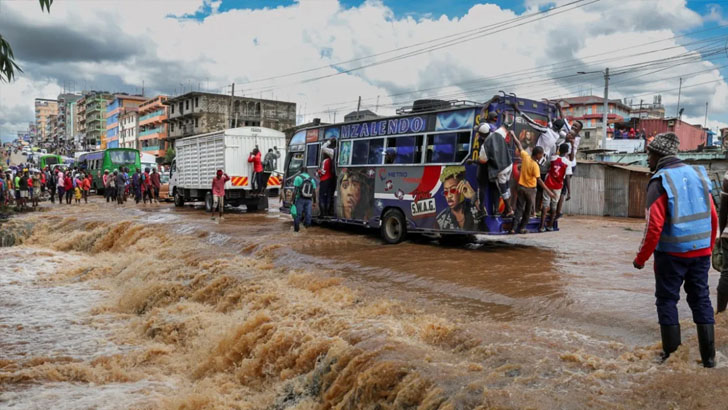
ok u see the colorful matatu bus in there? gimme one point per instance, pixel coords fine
(411, 173)
(109, 159)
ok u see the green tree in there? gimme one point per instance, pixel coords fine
(169, 155)
(7, 59)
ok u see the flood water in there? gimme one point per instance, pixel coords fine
(106, 307)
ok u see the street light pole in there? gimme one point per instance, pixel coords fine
(606, 108)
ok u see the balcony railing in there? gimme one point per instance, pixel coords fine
(151, 131)
(151, 114)
(151, 148)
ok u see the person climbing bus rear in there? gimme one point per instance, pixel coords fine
(305, 188)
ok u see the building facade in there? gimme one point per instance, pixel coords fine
(152, 126)
(93, 115)
(63, 129)
(199, 112)
(113, 111)
(589, 110)
(43, 109)
(129, 128)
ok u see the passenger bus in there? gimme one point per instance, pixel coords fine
(50, 161)
(392, 173)
(109, 159)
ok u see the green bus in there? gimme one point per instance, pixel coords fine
(50, 160)
(110, 159)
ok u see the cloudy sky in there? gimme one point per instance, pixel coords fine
(323, 54)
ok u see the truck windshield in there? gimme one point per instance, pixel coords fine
(123, 157)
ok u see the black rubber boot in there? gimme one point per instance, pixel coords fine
(670, 339)
(706, 339)
(722, 301)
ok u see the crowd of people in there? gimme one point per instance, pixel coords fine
(24, 187)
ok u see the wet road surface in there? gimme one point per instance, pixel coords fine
(161, 307)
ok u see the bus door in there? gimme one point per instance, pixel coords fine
(293, 166)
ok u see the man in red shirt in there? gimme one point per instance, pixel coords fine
(681, 228)
(555, 182)
(327, 185)
(146, 186)
(156, 184)
(258, 175)
(218, 192)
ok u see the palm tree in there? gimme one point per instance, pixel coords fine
(7, 59)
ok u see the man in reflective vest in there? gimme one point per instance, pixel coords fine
(681, 228)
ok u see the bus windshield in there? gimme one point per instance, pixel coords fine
(123, 157)
(51, 160)
(295, 164)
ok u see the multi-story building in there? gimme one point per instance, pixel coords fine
(129, 128)
(93, 128)
(589, 110)
(649, 111)
(44, 108)
(152, 126)
(76, 136)
(63, 129)
(113, 111)
(199, 112)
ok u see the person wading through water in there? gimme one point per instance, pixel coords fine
(681, 230)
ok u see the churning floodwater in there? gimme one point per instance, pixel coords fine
(106, 307)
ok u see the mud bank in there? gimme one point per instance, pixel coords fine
(198, 320)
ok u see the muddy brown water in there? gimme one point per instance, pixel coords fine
(159, 307)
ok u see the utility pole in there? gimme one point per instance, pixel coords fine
(358, 106)
(679, 91)
(230, 111)
(606, 108)
(705, 122)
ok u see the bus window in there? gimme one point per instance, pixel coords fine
(376, 151)
(407, 150)
(123, 157)
(449, 147)
(298, 138)
(344, 153)
(312, 155)
(367, 152)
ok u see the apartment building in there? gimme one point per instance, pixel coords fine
(200, 112)
(152, 126)
(43, 109)
(93, 118)
(114, 110)
(129, 128)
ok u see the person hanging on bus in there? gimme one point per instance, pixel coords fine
(555, 182)
(270, 162)
(500, 167)
(327, 184)
(305, 192)
(529, 179)
(254, 158)
(460, 197)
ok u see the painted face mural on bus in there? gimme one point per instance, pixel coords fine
(460, 197)
(356, 193)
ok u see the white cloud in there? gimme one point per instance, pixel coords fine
(170, 53)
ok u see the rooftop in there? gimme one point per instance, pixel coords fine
(172, 100)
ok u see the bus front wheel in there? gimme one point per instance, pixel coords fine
(394, 228)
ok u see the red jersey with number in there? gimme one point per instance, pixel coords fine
(557, 172)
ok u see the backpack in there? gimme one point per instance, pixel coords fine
(307, 188)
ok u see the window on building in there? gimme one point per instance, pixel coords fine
(172, 108)
(171, 127)
(197, 101)
(181, 105)
(587, 134)
(187, 104)
(449, 147)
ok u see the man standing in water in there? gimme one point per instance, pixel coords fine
(218, 192)
(681, 229)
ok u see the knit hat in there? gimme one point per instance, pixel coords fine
(665, 144)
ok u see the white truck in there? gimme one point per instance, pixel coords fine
(199, 157)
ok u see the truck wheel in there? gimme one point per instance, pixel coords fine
(208, 202)
(178, 199)
(394, 228)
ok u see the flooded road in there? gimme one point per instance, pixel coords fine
(160, 307)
